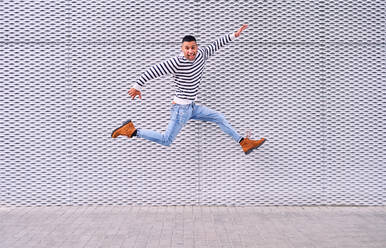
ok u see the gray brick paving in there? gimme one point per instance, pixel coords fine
(193, 226)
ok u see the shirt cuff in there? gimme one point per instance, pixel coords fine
(232, 36)
(137, 87)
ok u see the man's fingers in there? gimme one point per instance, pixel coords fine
(241, 29)
(133, 93)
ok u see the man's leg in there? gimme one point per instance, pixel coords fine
(180, 114)
(206, 114)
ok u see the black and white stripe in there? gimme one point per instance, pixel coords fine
(187, 74)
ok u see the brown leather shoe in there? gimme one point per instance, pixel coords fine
(248, 145)
(126, 129)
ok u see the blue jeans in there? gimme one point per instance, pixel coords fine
(180, 115)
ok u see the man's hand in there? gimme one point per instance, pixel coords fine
(133, 93)
(238, 32)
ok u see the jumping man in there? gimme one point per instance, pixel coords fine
(187, 70)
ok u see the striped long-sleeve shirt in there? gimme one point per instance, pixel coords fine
(187, 74)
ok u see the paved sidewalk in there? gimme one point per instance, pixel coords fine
(267, 227)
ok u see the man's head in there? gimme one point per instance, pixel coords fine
(189, 47)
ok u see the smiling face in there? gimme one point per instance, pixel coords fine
(189, 48)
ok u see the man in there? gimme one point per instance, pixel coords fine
(187, 70)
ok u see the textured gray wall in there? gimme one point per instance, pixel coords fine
(310, 76)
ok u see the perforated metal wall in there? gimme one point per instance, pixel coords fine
(310, 76)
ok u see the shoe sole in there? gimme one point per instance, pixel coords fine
(126, 122)
(251, 150)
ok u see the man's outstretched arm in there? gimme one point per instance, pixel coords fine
(215, 46)
(167, 67)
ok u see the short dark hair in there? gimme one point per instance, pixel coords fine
(188, 38)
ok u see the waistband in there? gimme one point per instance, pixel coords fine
(182, 101)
